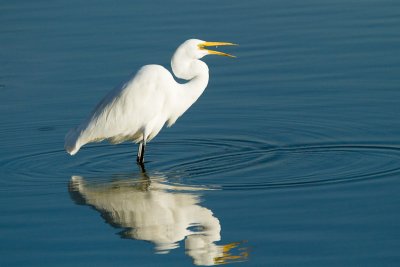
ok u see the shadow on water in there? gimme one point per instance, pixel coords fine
(150, 208)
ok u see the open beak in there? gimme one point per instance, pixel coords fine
(216, 44)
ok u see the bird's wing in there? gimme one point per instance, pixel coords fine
(125, 111)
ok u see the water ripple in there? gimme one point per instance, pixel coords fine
(235, 163)
(257, 165)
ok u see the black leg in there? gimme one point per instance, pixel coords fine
(140, 155)
(139, 152)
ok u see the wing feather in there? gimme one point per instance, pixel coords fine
(124, 112)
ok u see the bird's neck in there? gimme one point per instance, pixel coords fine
(194, 70)
(196, 86)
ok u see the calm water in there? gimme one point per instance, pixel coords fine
(290, 158)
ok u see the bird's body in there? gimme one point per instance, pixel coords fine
(139, 109)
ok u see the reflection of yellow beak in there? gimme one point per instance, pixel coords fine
(227, 255)
(206, 44)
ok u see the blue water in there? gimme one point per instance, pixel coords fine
(291, 157)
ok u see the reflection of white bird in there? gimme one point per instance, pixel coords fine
(139, 109)
(163, 214)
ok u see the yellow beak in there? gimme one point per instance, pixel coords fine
(206, 44)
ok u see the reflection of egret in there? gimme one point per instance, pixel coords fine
(138, 109)
(164, 214)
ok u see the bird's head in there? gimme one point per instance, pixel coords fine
(197, 49)
(185, 63)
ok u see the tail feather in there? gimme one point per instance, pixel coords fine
(72, 145)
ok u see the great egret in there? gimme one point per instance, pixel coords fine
(138, 109)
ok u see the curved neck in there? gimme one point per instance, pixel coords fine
(196, 86)
(194, 70)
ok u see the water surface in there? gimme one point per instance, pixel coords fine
(291, 157)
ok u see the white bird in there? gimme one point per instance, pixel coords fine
(138, 109)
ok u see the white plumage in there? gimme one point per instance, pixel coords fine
(138, 109)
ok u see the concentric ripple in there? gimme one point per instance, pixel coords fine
(240, 164)
(235, 163)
